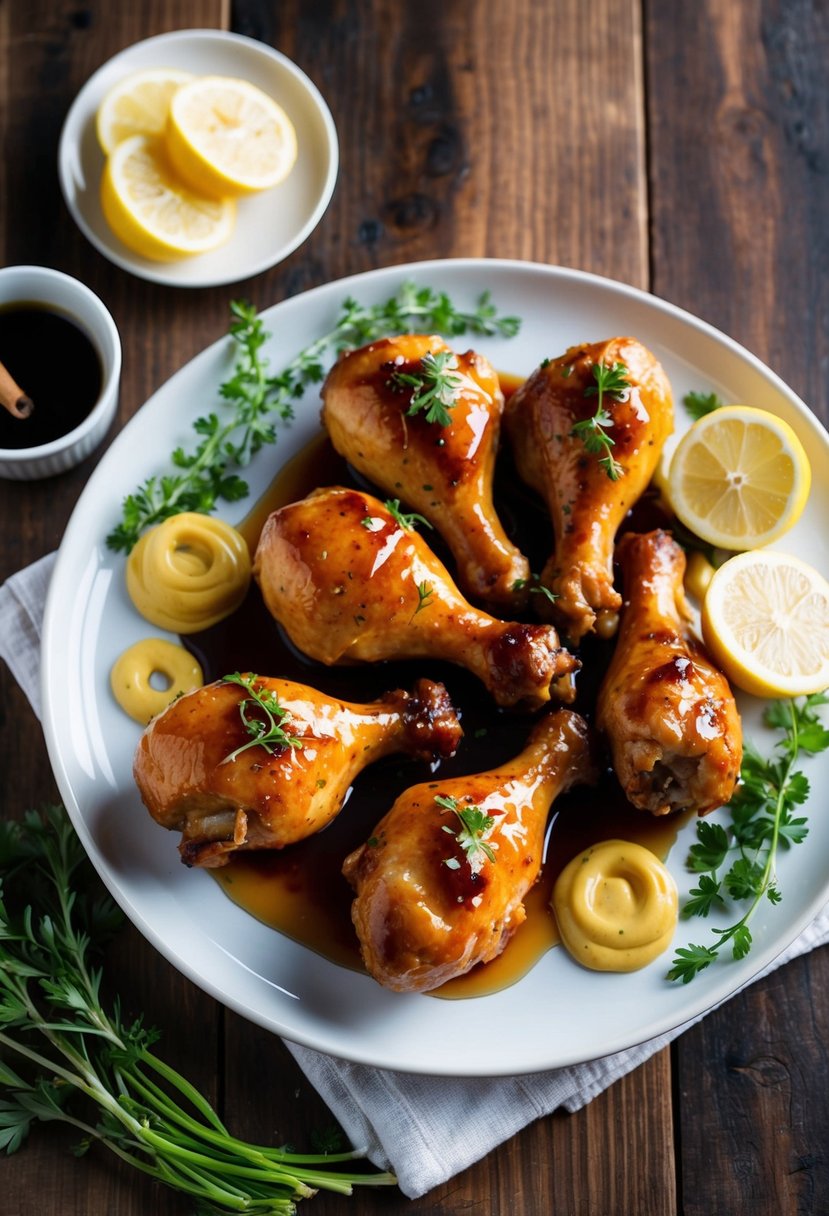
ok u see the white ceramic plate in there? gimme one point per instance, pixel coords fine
(559, 1013)
(270, 225)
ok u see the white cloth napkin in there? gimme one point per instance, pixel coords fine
(423, 1128)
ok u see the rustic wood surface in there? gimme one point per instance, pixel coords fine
(679, 147)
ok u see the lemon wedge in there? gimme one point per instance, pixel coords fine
(739, 478)
(137, 105)
(227, 138)
(150, 210)
(765, 620)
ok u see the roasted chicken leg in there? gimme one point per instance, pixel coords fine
(589, 492)
(201, 771)
(442, 472)
(668, 713)
(349, 583)
(440, 884)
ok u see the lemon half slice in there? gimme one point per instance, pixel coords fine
(227, 138)
(137, 105)
(765, 620)
(739, 478)
(153, 214)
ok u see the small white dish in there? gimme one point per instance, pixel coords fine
(58, 292)
(270, 225)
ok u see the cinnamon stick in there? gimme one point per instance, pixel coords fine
(12, 396)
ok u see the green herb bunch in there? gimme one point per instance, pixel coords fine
(738, 863)
(256, 400)
(64, 1056)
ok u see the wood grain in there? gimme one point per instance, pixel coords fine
(678, 147)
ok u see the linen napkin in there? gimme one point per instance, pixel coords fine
(423, 1128)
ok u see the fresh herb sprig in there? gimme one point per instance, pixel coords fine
(434, 385)
(611, 381)
(425, 591)
(536, 588)
(68, 1057)
(406, 520)
(739, 862)
(262, 717)
(255, 399)
(473, 824)
(700, 404)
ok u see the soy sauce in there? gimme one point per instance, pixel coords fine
(56, 365)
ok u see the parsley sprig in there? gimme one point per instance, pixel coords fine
(611, 381)
(255, 399)
(435, 387)
(473, 824)
(700, 404)
(262, 717)
(764, 820)
(69, 1057)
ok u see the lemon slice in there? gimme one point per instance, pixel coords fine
(226, 137)
(137, 105)
(739, 478)
(149, 209)
(765, 619)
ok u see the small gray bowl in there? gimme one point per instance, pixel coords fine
(63, 294)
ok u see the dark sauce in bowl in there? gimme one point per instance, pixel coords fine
(56, 364)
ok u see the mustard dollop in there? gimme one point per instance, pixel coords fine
(616, 906)
(175, 670)
(188, 572)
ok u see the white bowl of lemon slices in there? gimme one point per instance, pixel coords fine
(198, 158)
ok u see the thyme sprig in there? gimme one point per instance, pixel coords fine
(256, 400)
(611, 381)
(262, 717)
(68, 1057)
(738, 863)
(405, 520)
(473, 824)
(434, 385)
(425, 591)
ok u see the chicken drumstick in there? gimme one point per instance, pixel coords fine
(587, 430)
(440, 466)
(440, 884)
(205, 768)
(349, 583)
(669, 714)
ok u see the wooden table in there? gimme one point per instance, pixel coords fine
(683, 148)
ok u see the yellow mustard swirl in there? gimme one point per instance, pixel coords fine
(188, 572)
(173, 667)
(616, 906)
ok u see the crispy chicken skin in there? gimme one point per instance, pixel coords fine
(421, 921)
(349, 584)
(266, 801)
(585, 504)
(444, 473)
(668, 713)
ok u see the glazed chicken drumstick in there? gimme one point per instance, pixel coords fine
(440, 885)
(439, 466)
(349, 583)
(668, 713)
(555, 423)
(202, 771)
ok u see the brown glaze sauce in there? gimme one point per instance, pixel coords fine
(300, 890)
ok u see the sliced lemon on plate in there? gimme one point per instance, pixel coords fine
(137, 105)
(739, 478)
(765, 620)
(228, 138)
(149, 209)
